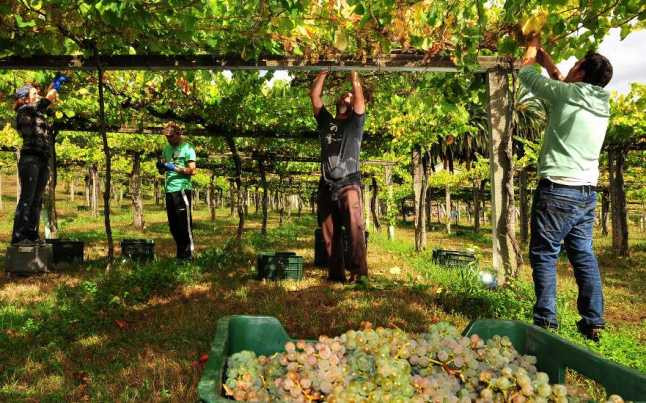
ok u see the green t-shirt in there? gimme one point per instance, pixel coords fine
(180, 156)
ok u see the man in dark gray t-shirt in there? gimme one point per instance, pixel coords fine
(340, 144)
(339, 196)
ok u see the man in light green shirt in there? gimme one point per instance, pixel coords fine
(568, 167)
(179, 165)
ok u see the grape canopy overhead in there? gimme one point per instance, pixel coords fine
(312, 30)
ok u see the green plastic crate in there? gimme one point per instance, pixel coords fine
(265, 335)
(556, 354)
(294, 268)
(261, 334)
(279, 266)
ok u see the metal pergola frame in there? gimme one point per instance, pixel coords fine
(394, 63)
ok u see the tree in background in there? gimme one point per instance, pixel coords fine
(626, 133)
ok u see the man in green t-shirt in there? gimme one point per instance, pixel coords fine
(568, 167)
(179, 165)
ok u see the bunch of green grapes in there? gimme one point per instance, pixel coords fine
(374, 380)
(311, 370)
(442, 349)
(436, 387)
(244, 378)
(380, 342)
(376, 366)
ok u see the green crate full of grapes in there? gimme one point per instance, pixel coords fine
(253, 359)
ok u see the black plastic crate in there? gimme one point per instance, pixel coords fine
(264, 264)
(23, 260)
(454, 258)
(138, 249)
(67, 250)
(279, 266)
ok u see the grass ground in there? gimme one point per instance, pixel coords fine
(136, 333)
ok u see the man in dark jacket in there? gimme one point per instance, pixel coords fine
(32, 124)
(339, 196)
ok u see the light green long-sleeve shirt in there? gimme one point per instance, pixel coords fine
(578, 119)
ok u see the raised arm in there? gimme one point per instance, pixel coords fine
(357, 90)
(548, 89)
(52, 95)
(315, 92)
(544, 59)
(55, 86)
(531, 52)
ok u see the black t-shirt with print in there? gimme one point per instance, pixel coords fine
(340, 144)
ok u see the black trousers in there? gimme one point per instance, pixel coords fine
(33, 172)
(180, 221)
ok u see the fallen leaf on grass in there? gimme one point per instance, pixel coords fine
(121, 324)
(11, 332)
(200, 362)
(395, 270)
(82, 377)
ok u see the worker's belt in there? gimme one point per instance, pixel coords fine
(545, 183)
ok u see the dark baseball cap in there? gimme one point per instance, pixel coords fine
(23, 91)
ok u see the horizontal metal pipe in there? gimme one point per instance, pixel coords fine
(396, 63)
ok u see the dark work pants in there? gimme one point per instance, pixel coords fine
(564, 215)
(180, 221)
(346, 212)
(33, 172)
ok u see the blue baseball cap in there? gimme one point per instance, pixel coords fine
(23, 91)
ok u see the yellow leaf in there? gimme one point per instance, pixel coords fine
(340, 40)
(59, 115)
(300, 30)
(535, 23)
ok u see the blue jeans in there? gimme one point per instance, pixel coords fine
(564, 215)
